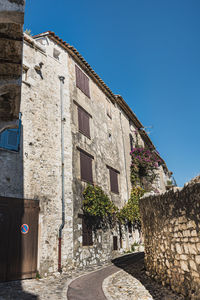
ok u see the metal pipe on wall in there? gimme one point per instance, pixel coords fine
(127, 235)
(61, 78)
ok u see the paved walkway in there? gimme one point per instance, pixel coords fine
(125, 279)
(49, 288)
(89, 287)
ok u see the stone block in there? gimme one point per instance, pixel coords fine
(197, 259)
(179, 248)
(192, 249)
(192, 265)
(184, 266)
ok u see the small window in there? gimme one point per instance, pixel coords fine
(82, 82)
(131, 141)
(25, 73)
(86, 166)
(113, 180)
(108, 108)
(83, 122)
(115, 246)
(56, 54)
(10, 138)
(86, 233)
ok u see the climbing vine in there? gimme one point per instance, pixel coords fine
(98, 208)
(101, 212)
(143, 166)
(130, 212)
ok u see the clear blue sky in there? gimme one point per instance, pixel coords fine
(149, 52)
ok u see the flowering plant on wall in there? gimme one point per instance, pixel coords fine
(143, 166)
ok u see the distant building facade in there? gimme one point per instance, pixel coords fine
(73, 131)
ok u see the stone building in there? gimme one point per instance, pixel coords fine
(73, 130)
(11, 43)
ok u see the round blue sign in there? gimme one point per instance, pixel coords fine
(24, 228)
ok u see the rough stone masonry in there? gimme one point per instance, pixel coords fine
(171, 226)
(11, 44)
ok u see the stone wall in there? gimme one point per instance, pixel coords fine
(35, 171)
(171, 227)
(11, 44)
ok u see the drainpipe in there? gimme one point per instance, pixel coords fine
(127, 235)
(61, 78)
(124, 153)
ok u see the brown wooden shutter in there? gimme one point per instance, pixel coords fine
(113, 181)
(115, 247)
(82, 82)
(86, 234)
(84, 122)
(86, 167)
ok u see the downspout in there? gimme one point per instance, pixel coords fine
(61, 78)
(127, 235)
(124, 153)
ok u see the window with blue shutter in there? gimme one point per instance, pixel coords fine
(10, 138)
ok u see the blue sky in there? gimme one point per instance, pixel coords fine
(146, 51)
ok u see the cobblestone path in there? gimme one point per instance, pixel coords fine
(124, 279)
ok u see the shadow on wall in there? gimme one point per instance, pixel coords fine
(18, 220)
(134, 265)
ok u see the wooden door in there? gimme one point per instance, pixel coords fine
(18, 250)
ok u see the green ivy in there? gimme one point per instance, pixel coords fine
(98, 208)
(130, 212)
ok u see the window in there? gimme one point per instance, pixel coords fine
(56, 54)
(113, 180)
(86, 166)
(25, 73)
(82, 82)
(86, 233)
(108, 108)
(10, 138)
(84, 122)
(115, 247)
(131, 141)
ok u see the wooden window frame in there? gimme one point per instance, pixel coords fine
(115, 242)
(84, 132)
(82, 81)
(85, 154)
(112, 189)
(87, 236)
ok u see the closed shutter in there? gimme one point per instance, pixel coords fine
(86, 167)
(10, 139)
(83, 122)
(115, 247)
(114, 181)
(86, 234)
(82, 82)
